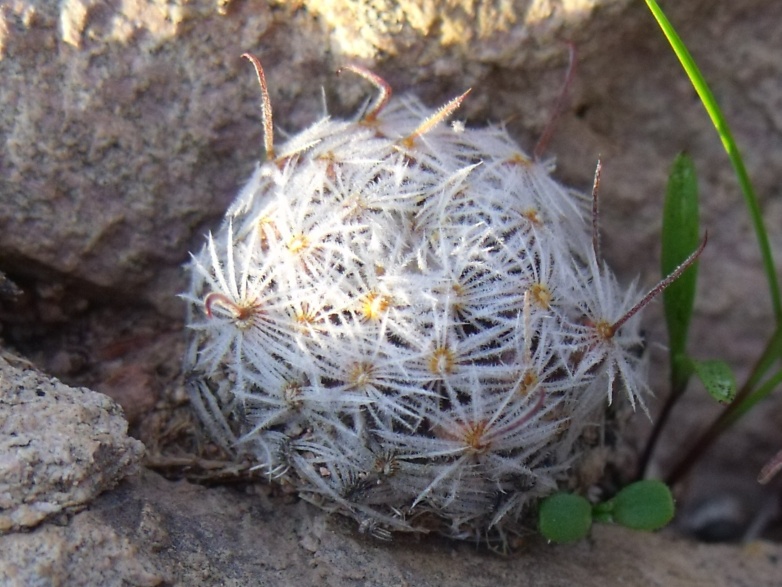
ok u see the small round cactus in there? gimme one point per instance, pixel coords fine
(409, 323)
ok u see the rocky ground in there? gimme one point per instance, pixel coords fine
(128, 127)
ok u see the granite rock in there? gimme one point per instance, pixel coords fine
(59, 447)
(153, 532)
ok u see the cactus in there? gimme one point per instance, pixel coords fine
(409, 322)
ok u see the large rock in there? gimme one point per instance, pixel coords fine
(129, 127)
(151, 532)
(59, 447)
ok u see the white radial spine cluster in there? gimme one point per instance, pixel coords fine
(407, 322)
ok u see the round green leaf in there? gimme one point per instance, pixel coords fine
(717, 378)
(564, 517)
(644, 505)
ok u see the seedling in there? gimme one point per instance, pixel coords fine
(643, 505)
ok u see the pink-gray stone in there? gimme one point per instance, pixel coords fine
(59, 447)
(153, 532)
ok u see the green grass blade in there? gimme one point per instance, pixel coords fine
(719, 122)
(767, 360)
(680, 237)
(761, 393)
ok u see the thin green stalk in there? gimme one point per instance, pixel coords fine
(721, 125)
(759, 394)
(747, 397)
(770, 355)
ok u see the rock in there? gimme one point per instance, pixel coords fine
(55, 555)
(150, 112)
(59, 447)
(149, 531)
(130, 127)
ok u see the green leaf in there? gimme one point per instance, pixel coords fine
(717, 378)
(643, 505)
(731, 148)
(680, 237)
(565, 517)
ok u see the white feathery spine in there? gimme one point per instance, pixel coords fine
(407, 330)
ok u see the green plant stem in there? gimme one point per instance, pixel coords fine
(720, 124)
(744, 400)
(749, 402)
(680, 235)
(749, 394)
